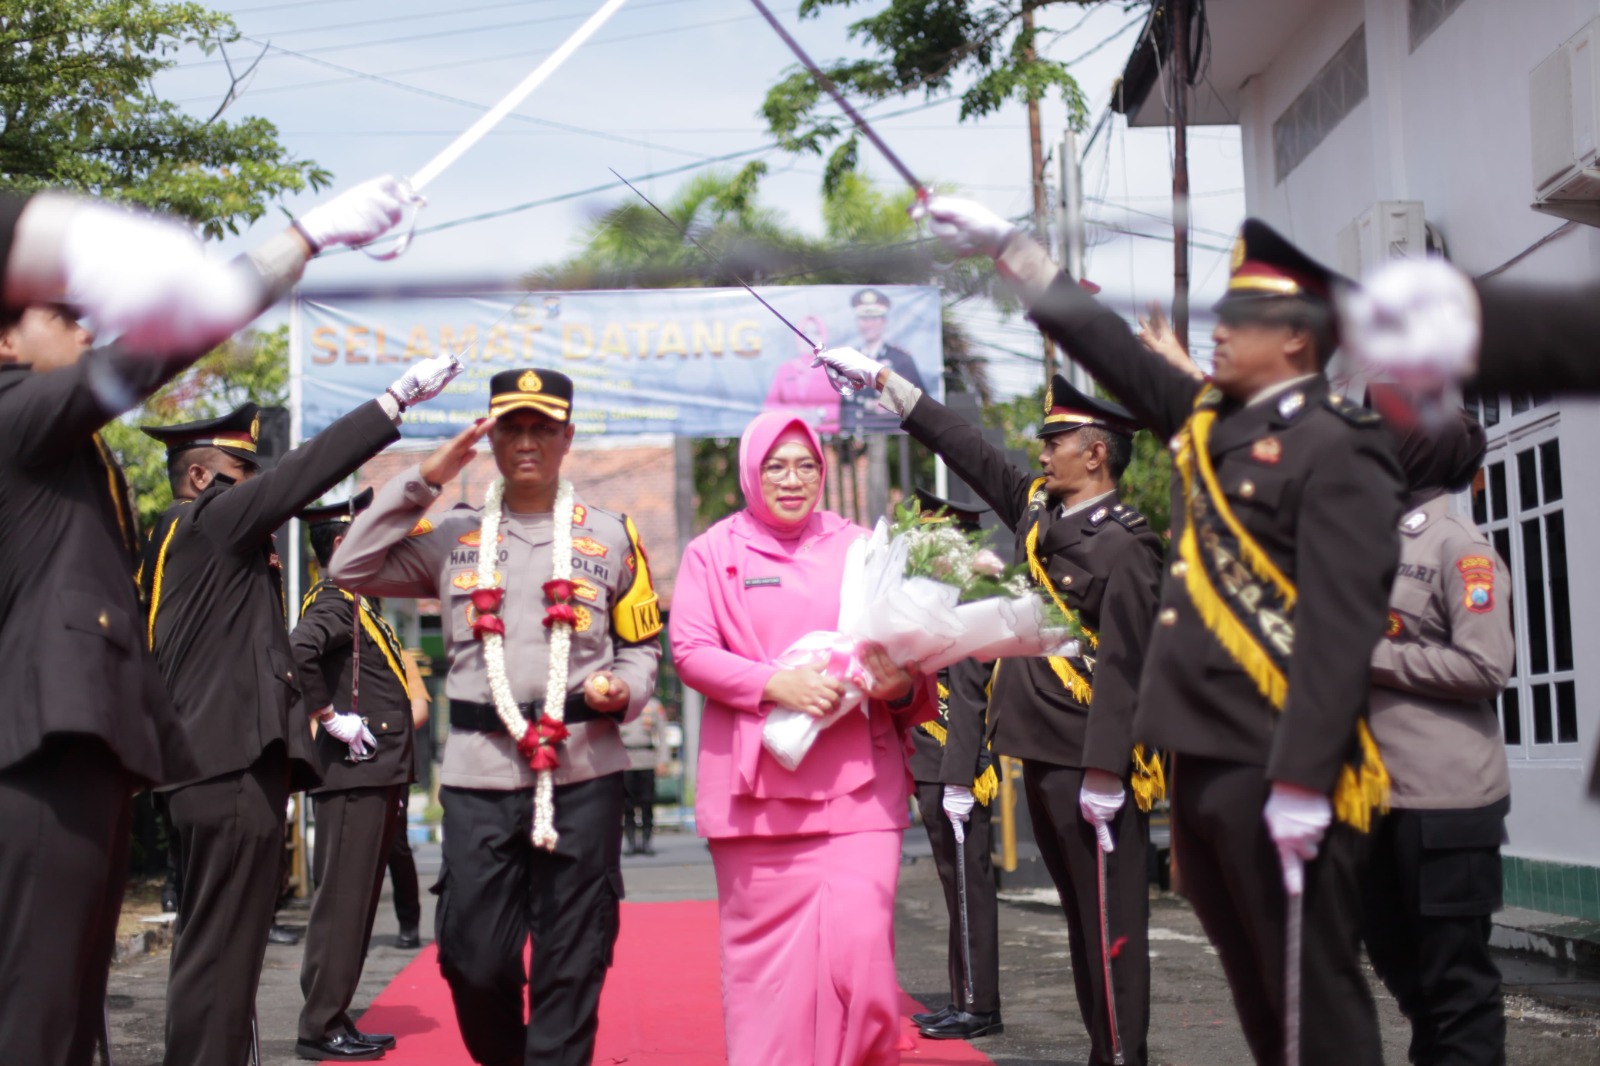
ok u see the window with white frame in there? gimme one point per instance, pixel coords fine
(1518, 501)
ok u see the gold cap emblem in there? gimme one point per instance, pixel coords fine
(529, 382)
(1049, 397)
(255, 428)
(1236, 260)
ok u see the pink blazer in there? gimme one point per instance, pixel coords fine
(742, 597)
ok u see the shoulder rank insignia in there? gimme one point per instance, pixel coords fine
(1127, 516)
(1353, 413)
(1477, 571)
(1414, 521)
(579, 513)
(1099, 515)
(1291, 403)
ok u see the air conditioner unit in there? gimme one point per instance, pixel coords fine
(1389, 229)
(1564, 98)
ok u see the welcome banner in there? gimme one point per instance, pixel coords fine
(688, 362)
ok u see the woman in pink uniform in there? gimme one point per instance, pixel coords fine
(807, 860)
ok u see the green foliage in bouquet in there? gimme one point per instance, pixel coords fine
(937, 549)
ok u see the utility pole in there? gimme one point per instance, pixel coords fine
(1041, 217)
(1180, 170)
(1074, 241)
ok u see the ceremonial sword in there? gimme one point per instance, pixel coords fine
(844, 105)
(496, 114)
(815, 347)
(1291, 980)
(1105, 956)
(961, 900)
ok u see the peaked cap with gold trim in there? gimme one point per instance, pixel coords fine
(966, 516)
(337, 513)
(1266, 266)
(1066, 409)
(547, 391)
(238, 433)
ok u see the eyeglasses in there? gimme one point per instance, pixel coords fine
(807, 470)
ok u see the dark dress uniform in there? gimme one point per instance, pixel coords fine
(951, 751)
(87, 721)
(217, 627)
(1105, 562)
(1313, 482)
(358, 805)
(496, 890)
(1434, 876)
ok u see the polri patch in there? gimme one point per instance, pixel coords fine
(585, 589)
(1477, 572)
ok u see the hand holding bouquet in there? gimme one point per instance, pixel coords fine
(925, 593)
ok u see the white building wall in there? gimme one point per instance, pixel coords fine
(1448, 125)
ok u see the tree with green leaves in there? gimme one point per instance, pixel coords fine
(252, 367)
(77, 111)
(928, 47)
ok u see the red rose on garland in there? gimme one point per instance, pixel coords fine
(561, 612)
(560, 590)
(488, 601)
(552, 731)
(485, 624)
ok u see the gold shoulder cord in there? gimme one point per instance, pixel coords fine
(1148, 781)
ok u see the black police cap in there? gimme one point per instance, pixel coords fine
(548, 392)
(238, 433)
(337, 512)
(1066, 409)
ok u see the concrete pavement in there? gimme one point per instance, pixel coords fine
(1192, 1017)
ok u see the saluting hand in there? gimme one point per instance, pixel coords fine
(452, 457)
(605, 692)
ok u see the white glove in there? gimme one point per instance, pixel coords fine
(958, 803)
(1416, 321)
(359, 215)
(425, 379)
(349, 728)
(966, 227)
(1296, 820)
(848, 370)
(1098, 807)
(145, 282)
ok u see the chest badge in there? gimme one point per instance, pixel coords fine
(1291, 404)
(1268, 450)
(582, 619)
(590, 547)
(1395, 626)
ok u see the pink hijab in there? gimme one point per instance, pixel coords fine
(760, 437)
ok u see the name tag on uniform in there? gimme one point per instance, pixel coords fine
(761, 582)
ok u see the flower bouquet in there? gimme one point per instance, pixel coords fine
(929, 593)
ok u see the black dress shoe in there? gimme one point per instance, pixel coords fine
(282, 934)
(408, 938)
(960, 1025)
(933, 1016)
(383, 1040)
(337, 1048)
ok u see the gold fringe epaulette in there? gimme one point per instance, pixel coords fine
(987, 786)
(1075, 683)
(936, 730)
(1149, 782)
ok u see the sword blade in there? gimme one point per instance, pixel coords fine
(798, 332)
(1105, 957)
(492, 118)
(844, 105)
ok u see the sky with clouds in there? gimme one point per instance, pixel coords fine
(372, 86)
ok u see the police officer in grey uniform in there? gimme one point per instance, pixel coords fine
(496, 888)
(351, 664)
(1433, 877)
(957, 779)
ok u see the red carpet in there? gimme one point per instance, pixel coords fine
(662, 1001)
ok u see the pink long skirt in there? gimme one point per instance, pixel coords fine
(807, 927)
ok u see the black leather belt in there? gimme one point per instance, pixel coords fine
(481, 717)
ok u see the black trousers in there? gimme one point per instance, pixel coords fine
(639, 797)
(403, 872)
(1070, 851)
(1431, 884)
(231, 830)
(354, 833)
(67, 811)
(983, 910)
(496, 889)
(1230, 871)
